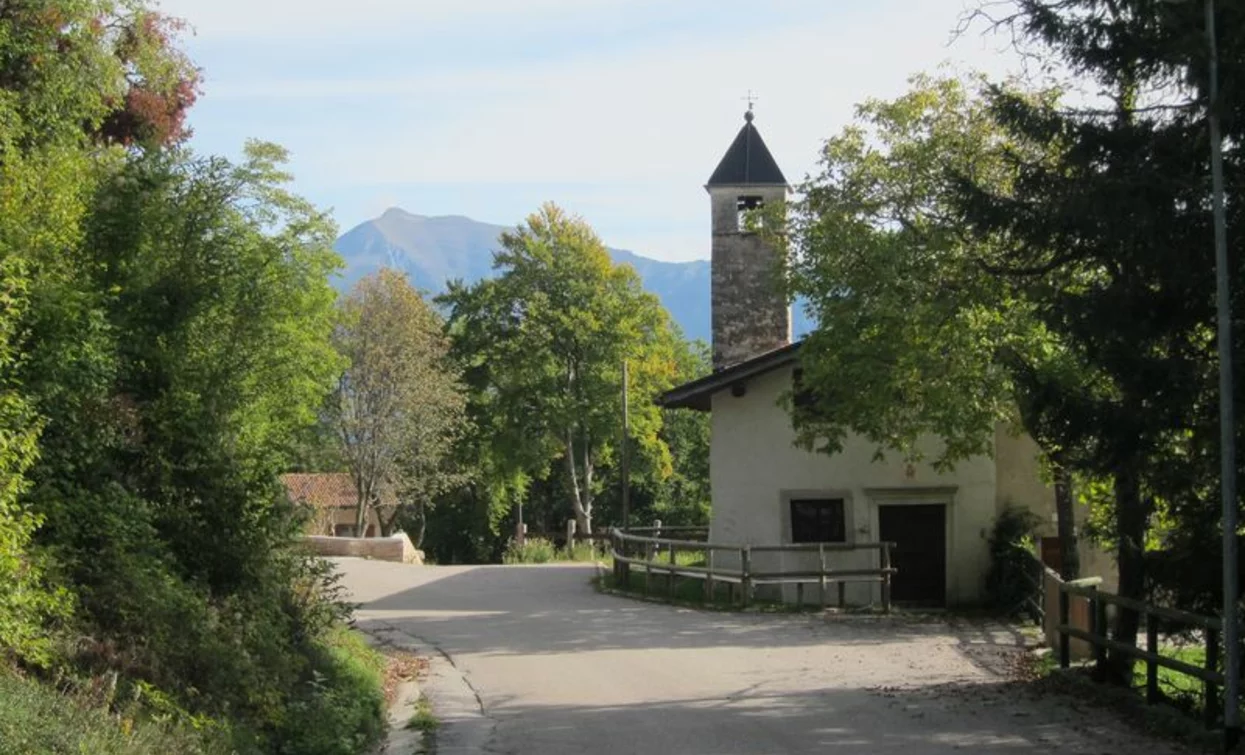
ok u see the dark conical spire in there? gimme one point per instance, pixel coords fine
(748, 161)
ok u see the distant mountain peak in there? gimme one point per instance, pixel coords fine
(433, 250)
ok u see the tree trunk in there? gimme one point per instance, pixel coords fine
(1069, 559)
(586, 524)
(421, 516)
(582, 522)
(1130, 518)
(361, 507)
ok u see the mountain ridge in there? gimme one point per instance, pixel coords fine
(435, 249)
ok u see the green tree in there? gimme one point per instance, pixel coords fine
(1111, 239)
(916, 336)
(548, 337)
(683, 497)
(399, 408)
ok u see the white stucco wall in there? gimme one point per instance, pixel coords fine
(1022, 482)
(753, 461)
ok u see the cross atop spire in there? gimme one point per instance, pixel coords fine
(751, 99)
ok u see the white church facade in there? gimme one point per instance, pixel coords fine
(766, 490)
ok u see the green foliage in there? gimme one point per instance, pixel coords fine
(164, 339)
(1013, 565)
(533, 550)
(584, 551)
(399, 409)
(424, 719)
(543, 346)
(341, 708)
(1111, 228)
(37, 719)
(911, 326)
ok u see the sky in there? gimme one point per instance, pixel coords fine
(615, 109)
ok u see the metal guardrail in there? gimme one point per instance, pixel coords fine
(640, 551)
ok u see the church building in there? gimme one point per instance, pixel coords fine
(767, 491)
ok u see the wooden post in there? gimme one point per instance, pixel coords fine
(1210, 699)
(648, 566)
(886, 577)
(617, 563)
(1065, 648)
(821, 580)
(745, 585)
(1098, 628)
(1152, 668)
(670, 576)
(709, 576)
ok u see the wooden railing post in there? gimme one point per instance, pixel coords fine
(745, 584)
(709, 576)
(670, 577)
(886, 577)
(1065, 642)
(1210, 698)
(1152, 666)
(614, 543)
(648, 566)
(1098, 628)
(821, 579)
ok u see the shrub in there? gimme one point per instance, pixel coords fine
(35, 718)
(534, 550)
(340, 709)
(1011, 558)
(581, 551)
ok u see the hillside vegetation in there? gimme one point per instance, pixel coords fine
(164, 337)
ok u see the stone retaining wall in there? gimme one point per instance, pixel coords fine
(397, 548)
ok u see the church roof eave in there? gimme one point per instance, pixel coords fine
(698, 394)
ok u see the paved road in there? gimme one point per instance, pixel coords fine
(558, 668)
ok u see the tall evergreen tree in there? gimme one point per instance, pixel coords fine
(1110, 237)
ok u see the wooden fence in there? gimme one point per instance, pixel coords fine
(1151, 617)
(634, 550)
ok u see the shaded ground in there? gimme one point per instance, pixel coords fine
(558, 668)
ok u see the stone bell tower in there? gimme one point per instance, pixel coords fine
(750, 314)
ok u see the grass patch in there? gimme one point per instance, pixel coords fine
(342, 709)
(423, 719)
(538, 550)
(1180, 690)
(36, 719)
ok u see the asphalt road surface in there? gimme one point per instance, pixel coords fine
(535, 662)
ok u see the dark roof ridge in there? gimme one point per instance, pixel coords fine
(697, 394)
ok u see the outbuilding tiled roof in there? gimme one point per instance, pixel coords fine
(323, 490)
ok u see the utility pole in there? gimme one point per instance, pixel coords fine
(1227, 426)
(626, 454)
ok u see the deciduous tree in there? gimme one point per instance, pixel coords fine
(400, 406)
(550, 334)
